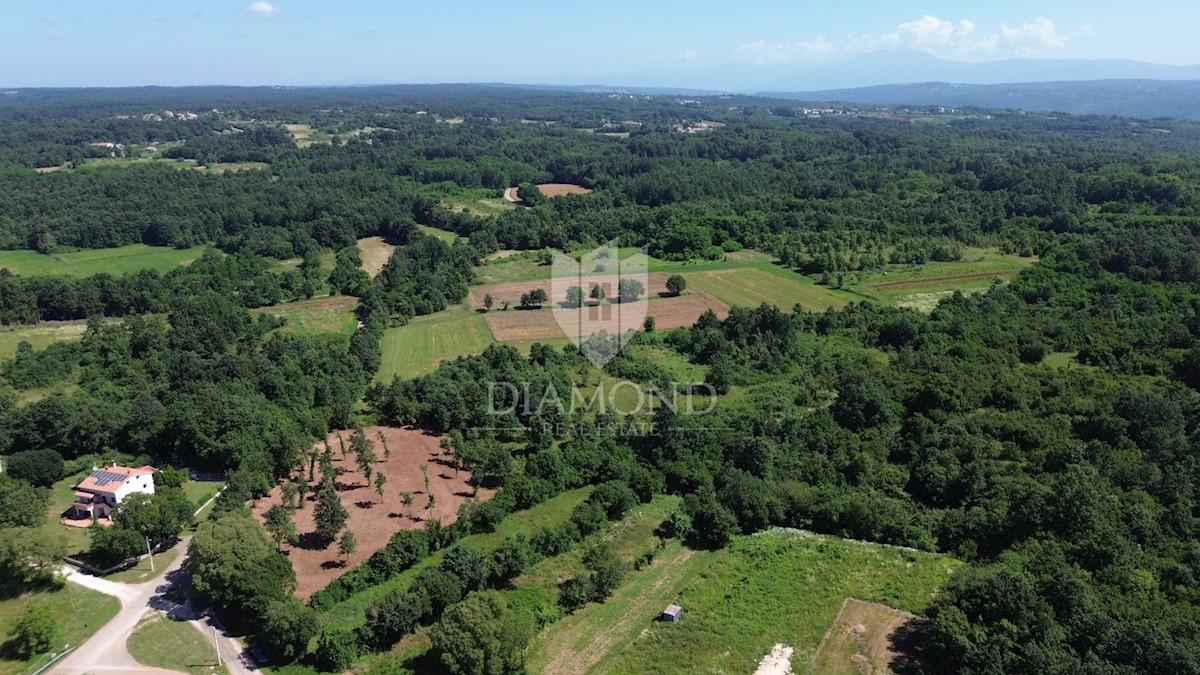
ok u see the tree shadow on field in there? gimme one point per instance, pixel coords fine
(365, 504)
(906, 643)
(333, 564)
(312, 541)
(464, 494)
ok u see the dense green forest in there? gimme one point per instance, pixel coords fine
(1044, 431)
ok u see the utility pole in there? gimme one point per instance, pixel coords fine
(150, 553)
(217, 646)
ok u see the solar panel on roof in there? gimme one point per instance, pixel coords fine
(103, 478)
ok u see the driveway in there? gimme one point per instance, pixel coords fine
(105, 652)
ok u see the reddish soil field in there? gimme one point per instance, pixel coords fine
(373, 520)
(655, 284)
(560, 189)
(672, 312)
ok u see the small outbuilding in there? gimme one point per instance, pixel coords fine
(672, 613)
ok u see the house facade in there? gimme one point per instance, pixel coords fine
(97, 495)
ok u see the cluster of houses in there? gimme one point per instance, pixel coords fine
(698, 128)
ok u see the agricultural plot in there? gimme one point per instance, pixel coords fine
(777, 588)
(121, 260)
(550, 513)
(922, 287)
(543, 325)
(305, 135)
(373, 519)
(375, 253)
(752, 286)
(418, 347)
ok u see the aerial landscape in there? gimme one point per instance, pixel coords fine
(386, 340)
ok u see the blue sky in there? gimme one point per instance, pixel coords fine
(133, 42)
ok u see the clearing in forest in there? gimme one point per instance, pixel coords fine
(372, 519)
(560, 189)
(417, 347)
(320, 315)
(375, 253)
(86, 262)
(779, 587)
(867, 637)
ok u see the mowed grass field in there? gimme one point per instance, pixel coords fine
(752, 286)
(79, 612)
(122, 260)
(417, 348)
(780, 587)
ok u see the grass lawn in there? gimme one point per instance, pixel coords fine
(448, 237)
(777, 587)
(200, 491)
(80, 613)
(416, 348)
(162, 642)
(122, 260)
(752, 286)
(62, 495)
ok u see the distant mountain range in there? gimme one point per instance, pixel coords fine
(882, 68)
(1128, 98)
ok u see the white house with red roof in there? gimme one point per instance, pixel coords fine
(98, 494)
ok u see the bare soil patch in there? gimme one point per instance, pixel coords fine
(672, 312)
(560, 189)
(376, 251)
(373, 520)
(501, 255)
(868, 637)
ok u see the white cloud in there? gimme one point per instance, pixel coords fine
(1032, 37)
(949, 39)
(805, 51)
(260, 10)
(686, 55)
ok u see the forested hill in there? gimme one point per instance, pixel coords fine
(1145, 99)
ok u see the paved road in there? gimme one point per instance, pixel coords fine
(105, 652)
